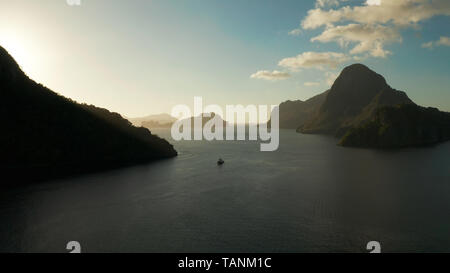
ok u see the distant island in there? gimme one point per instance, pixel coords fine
(45, 135)
(154, 121)
(364, 111)
(166, 121)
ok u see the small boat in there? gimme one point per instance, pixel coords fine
(220, 161)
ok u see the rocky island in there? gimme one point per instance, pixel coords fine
(364, 111)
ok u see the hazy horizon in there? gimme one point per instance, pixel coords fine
(144, 58)
(361, 167)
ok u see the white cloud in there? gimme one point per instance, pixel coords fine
(270, 75)
(319, 4)
(366, 29)
(397, 12)
(295, 32)
(373, 2)
(428, 45)
(318, 60)
(368, 38)
(326, 3)
(443, 41)
(373, 24)
(311, 83)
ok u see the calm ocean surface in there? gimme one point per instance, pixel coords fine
(309, 196)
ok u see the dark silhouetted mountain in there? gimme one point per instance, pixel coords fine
(354, 96)
(364, 109)
(45, 135)
(293, 114)
(400, 126)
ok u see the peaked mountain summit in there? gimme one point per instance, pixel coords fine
(365, 111)
(353, 97)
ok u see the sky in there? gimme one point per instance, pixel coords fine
(144, 57)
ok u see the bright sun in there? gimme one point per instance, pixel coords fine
(17, 50)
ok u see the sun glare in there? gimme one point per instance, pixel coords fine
(18, 50)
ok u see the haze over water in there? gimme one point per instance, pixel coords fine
(309, 196)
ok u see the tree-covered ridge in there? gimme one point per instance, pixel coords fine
(400, 126)
(46, 135)
(364, 111)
